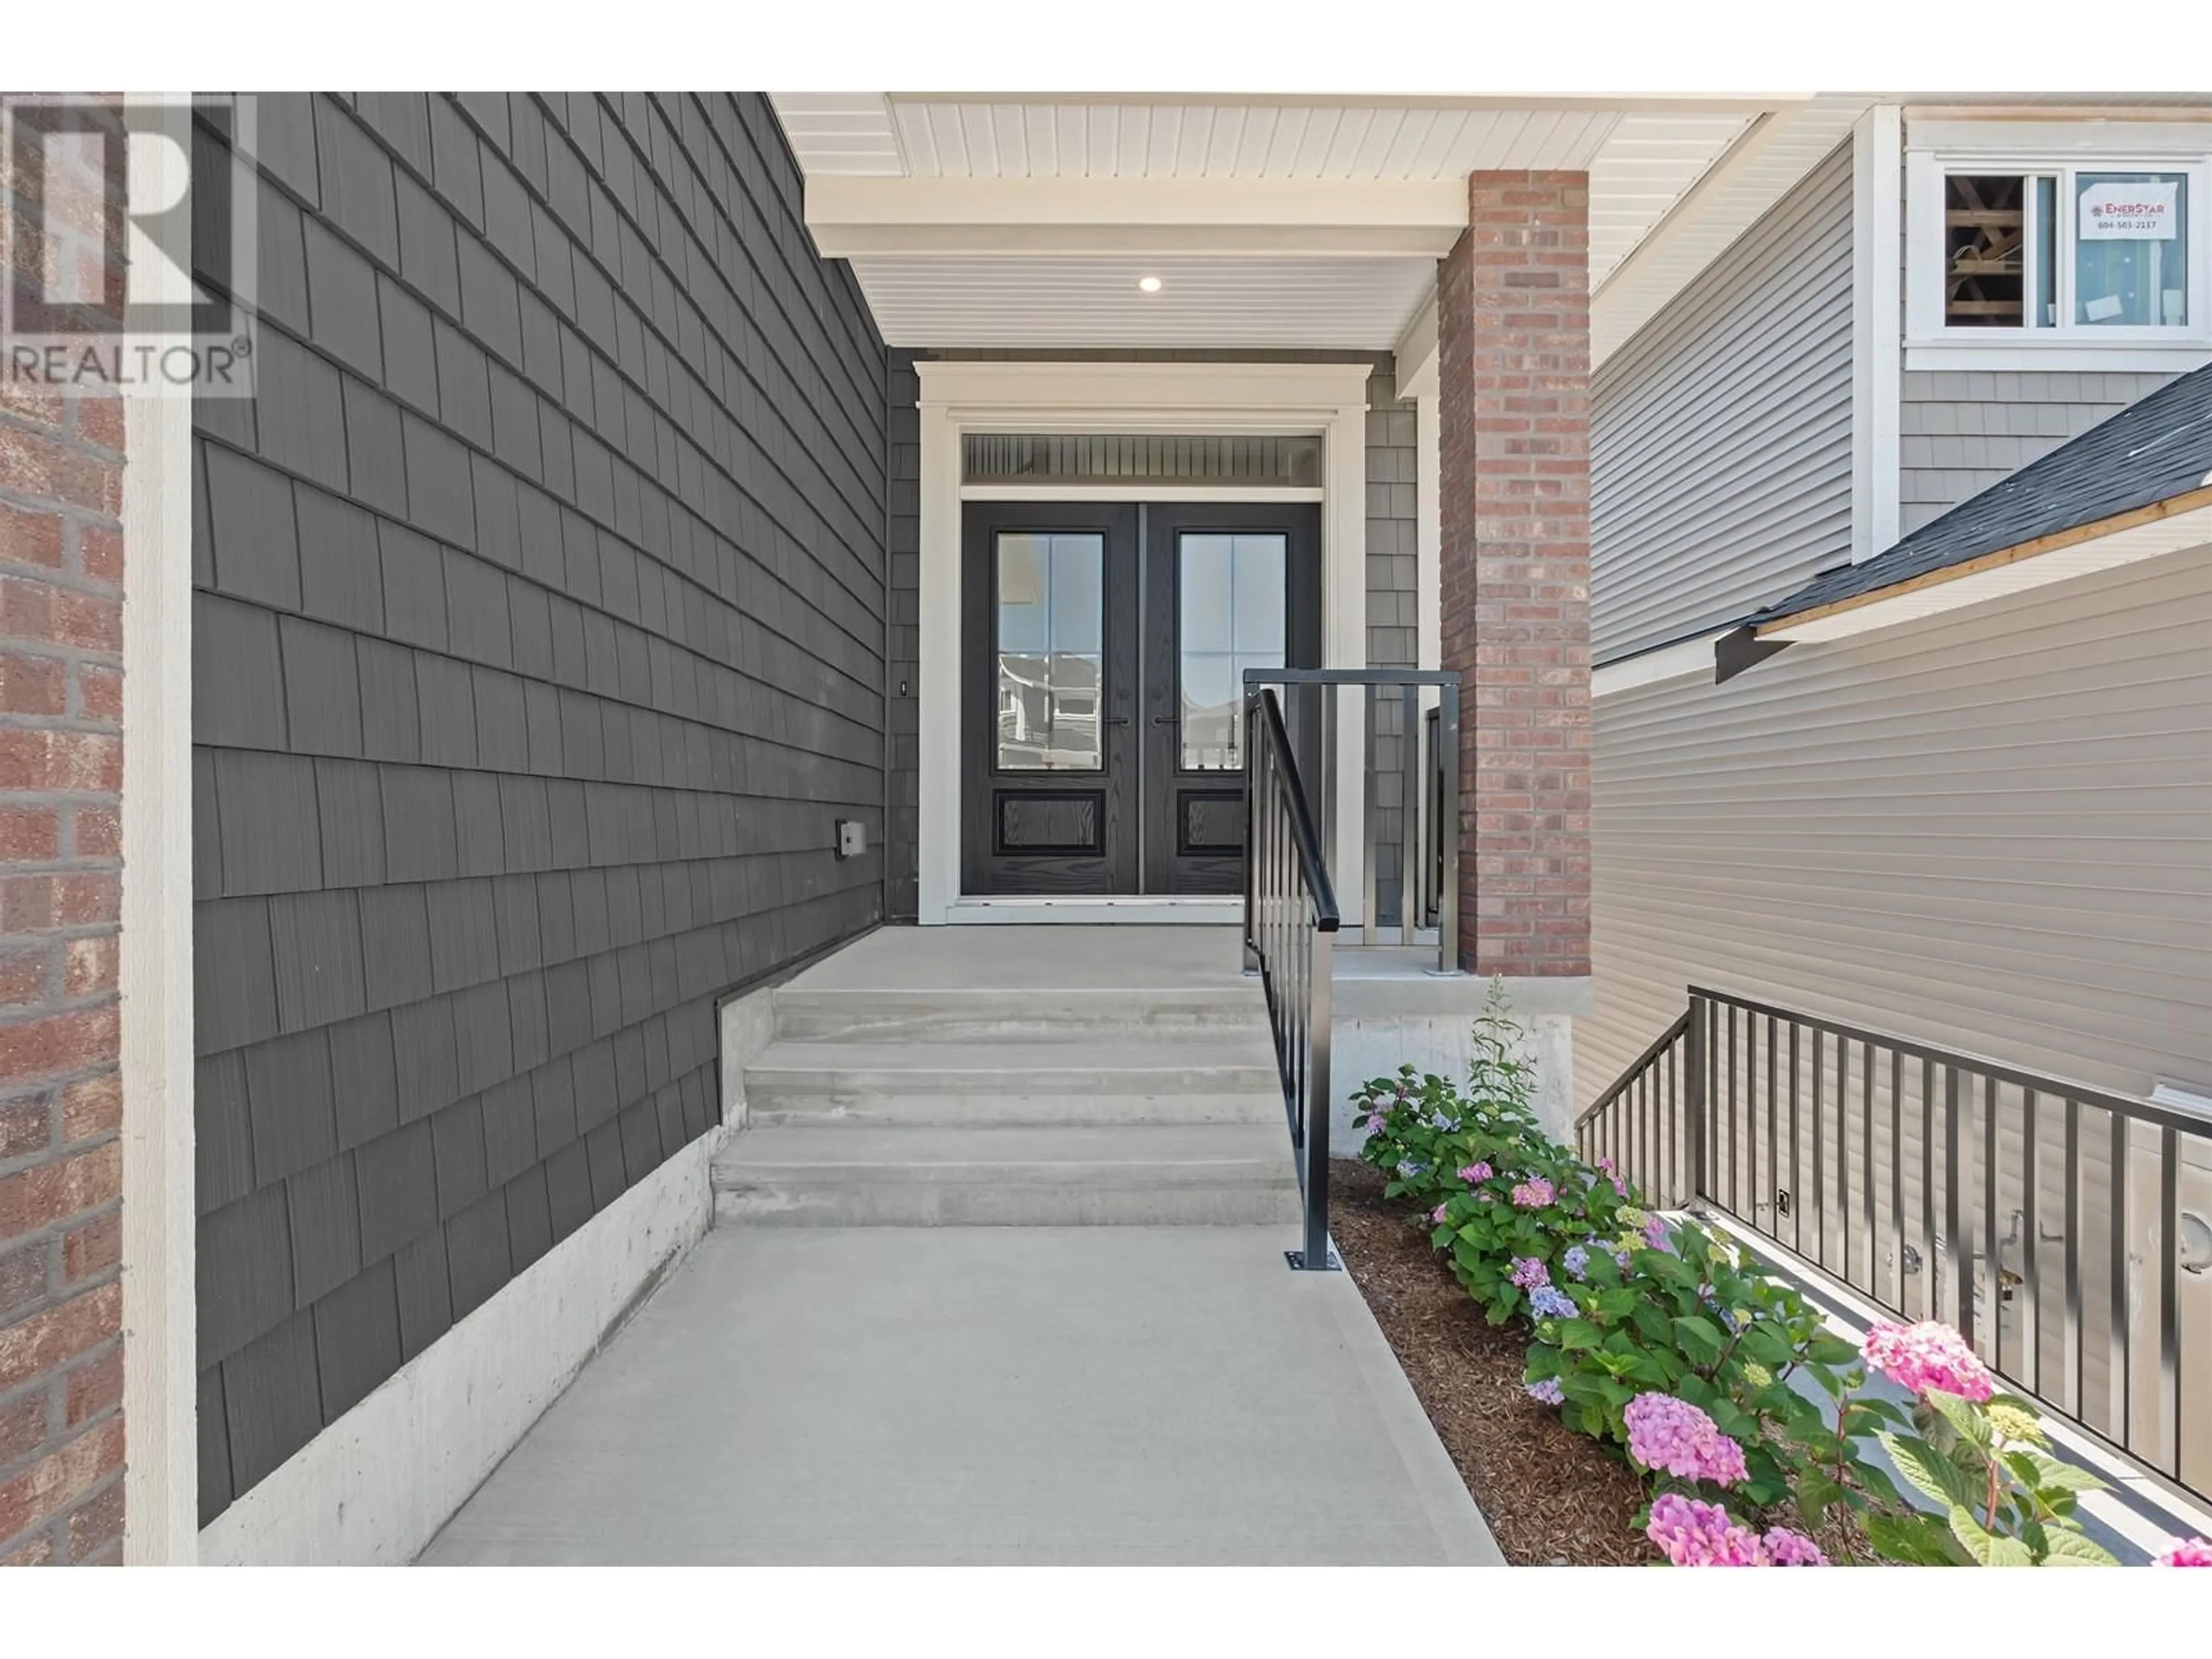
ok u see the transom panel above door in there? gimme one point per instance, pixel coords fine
(1103, 657)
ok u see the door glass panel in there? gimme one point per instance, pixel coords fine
(1051, 641)
(1231, 617)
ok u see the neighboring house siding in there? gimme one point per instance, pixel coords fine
(538, 634)
(1721, 434)
(1985, 830)
(1961, 432)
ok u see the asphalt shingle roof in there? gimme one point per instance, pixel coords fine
(2156, 449)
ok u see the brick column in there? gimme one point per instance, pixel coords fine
(1513, 365)
(61, 1166)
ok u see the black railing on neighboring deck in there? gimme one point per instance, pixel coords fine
(1289, 929)
(2042, 1218)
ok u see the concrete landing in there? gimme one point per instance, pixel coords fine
(951, 1395)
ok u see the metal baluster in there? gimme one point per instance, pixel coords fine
(2119, 1328)
(1992, 1269)
(1447, 897)
(1735, 1201)
(2031, 1246)
(1409, 804)
(1843, 1158)
(1866, 1171)
(1372, 812)
(1929, 1307)
(1796, 1169)
(1694, 1102)
(1322, 1015)
(1962, 1265)
(2076, 1401)
(1897, 1177)
(1751, 1110)
(1663, 1195)
(2169, 1294)
(1773, 1139)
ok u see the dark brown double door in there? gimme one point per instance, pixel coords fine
(1104, 656)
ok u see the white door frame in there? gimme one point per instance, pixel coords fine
(1234, 400)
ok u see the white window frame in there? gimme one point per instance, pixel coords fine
(2063, 150)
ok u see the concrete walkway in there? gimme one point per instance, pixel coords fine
(1070, 1395)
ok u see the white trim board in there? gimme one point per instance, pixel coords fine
(160, 1397)
(1166, 489)
(2182, 532)
(1684, 659)
(1877, 323)
(1241, 400)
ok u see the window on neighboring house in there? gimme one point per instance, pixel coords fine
(2081, 250)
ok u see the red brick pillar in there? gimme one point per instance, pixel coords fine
(1513, 344)
(61, 1164)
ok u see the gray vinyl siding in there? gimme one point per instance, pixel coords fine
(1721, 434)
(1985, 830)
(1393, 582)
(538, 638)
(1961, 432)
(1393, 608)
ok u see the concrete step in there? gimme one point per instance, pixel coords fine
(1226, 1077)
(1147, 1175)
(803, 1012)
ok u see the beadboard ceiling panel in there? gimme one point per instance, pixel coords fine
(1357, 304)
(1646, 165)
(1019, 139)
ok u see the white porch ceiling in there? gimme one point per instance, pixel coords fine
(948, 263)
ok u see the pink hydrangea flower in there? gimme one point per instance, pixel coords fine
(1475, 1172)
(1529, 1272)
(1696, 1535)
(1785, 1548)
(1436, 1215)
(1533, 1194)
(1656, 1234)
(1377, 1123)
(2185, 1552)
(1673, 1435)
(1606, 1166)
(1928, 1355)
(1620, 1187)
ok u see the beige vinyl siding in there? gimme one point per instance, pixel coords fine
(1990, 831)
(1720, 435)
(1987, 830)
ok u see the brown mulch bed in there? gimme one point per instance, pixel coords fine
(1553, 1498)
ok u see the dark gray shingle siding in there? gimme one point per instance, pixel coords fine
(539, 643)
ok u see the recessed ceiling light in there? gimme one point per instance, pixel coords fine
(1148, 284)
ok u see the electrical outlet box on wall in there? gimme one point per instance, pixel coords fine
(852, 838)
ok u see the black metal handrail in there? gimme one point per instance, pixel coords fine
(1289, 929)
(1927, 1180)
(1426, 810)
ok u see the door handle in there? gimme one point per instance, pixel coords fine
(1167, 719)
(1114, 720)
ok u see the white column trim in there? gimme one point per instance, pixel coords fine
(155, 969)
(1877, 328)
(1278, 400)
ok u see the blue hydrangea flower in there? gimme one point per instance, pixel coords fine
(1548, 1391)
(1575, 1259)
(1546, 1303)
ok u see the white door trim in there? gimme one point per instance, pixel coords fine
(1241, 400)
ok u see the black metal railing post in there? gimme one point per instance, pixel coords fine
(1291, 923)
(1696, 1097)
